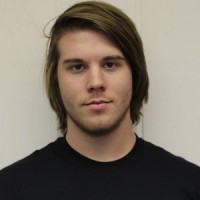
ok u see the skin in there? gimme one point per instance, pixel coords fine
(95, 82)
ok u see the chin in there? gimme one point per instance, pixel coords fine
(98, 130)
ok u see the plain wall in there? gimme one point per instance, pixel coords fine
(170, 31)
(171, 34)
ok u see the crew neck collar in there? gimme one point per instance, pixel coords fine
(69, 154)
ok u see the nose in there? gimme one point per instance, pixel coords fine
(96, 82)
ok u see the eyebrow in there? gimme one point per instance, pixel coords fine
(73, 60)
(78, 60)
(114, 57)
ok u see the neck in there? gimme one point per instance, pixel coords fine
(105, 148)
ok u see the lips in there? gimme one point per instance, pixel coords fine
(98, 104)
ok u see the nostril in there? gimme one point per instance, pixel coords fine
(100, 87)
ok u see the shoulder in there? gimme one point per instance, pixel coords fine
(161, 155)
(29, 170)
(32, 171)
(169, 163)
(36, 161)
(176, 174)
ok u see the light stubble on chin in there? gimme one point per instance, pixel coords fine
(98, 130)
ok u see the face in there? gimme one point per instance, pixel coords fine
(95, 82)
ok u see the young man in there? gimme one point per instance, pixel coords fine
(96, 82)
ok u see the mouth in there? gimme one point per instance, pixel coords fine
(98, 104)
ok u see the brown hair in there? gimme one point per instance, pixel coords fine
(118, 27)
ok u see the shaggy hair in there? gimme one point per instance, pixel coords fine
(119, 29)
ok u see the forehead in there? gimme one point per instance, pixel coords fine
(76, 34)
(86, 41)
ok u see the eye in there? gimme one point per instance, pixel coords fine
(110, 65)
(78, 67)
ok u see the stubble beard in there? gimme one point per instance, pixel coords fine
(98, 130)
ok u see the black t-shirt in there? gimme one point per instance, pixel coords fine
(57, 172)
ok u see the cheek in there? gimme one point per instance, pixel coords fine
(64, 87)
(69, 91)
(128, 93)
(66, 92)
(67, 98)
(126, 86)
